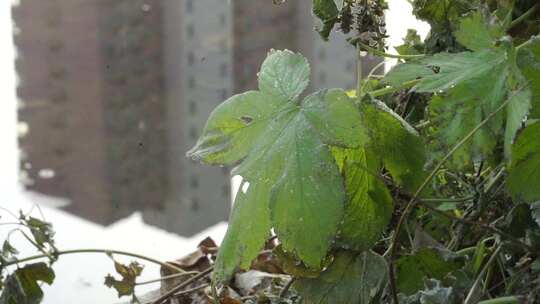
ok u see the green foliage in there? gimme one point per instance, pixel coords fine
(528, 60)
(426, 263)
(352, 278)
(370, 204)
(327, 12)
(309, 170)
(22, 286)
(524, 172)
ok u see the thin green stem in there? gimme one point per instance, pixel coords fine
(390, 90)
(372, 72)
(503, 300)
(383, 54)
(447, 200)
(524, 44)
(413, 201)
(525, 15)
(107, 251)
(359, 88)
(476, 285)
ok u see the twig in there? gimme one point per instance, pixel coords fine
(471, 295)
(412, 203)
(390, 90)
(383, 54)
(286, 288)
(172, 276)
(188, 291)
(359, 75)
(107, 251)
(176, 289)
(526, 15)
(478, 224)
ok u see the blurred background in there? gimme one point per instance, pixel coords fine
(100, 100)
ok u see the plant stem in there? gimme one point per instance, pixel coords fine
(494, 230)
(188, 291)
(164, 278)
(176, 289)
(471, 295)
(383, 54)
(412, 202)
(389, 90)
(447, 200)
(107, 251)
(502, 300)
(524, 44)
(359, 92)
(526, 15)
(286, 288)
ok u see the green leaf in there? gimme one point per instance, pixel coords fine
(307, 202)
(290, 264)
(452, 69)
(516, 112)
(425, 263)
(528, 60)
(350, 279)
(440, 12)
(396, 143)
(22, 287)
(249, 226)
(234, 126)
(455, 115)
(459, 68)
(284, 74)
(289, 162)
(518, 221)
(433, 293)
(412, 44)
(369, 206)
(8, 250)
(524, 171)
(404, 72)
(327, 12)
(335, 118)
(41, 231)
(476, 32)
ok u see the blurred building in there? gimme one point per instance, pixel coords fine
(91, 93)
(114, 92)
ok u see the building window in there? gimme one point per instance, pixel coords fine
(192, 107)
(322, 54)
(322, 77)
(193, 134)
(191, 82)
(350, 65)
(191, 58)
(222, 19)
(189, 6)
(223, 94)
(194, 204)
(190, 29)
(223, 70)
(223, 46)
(194, 182)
